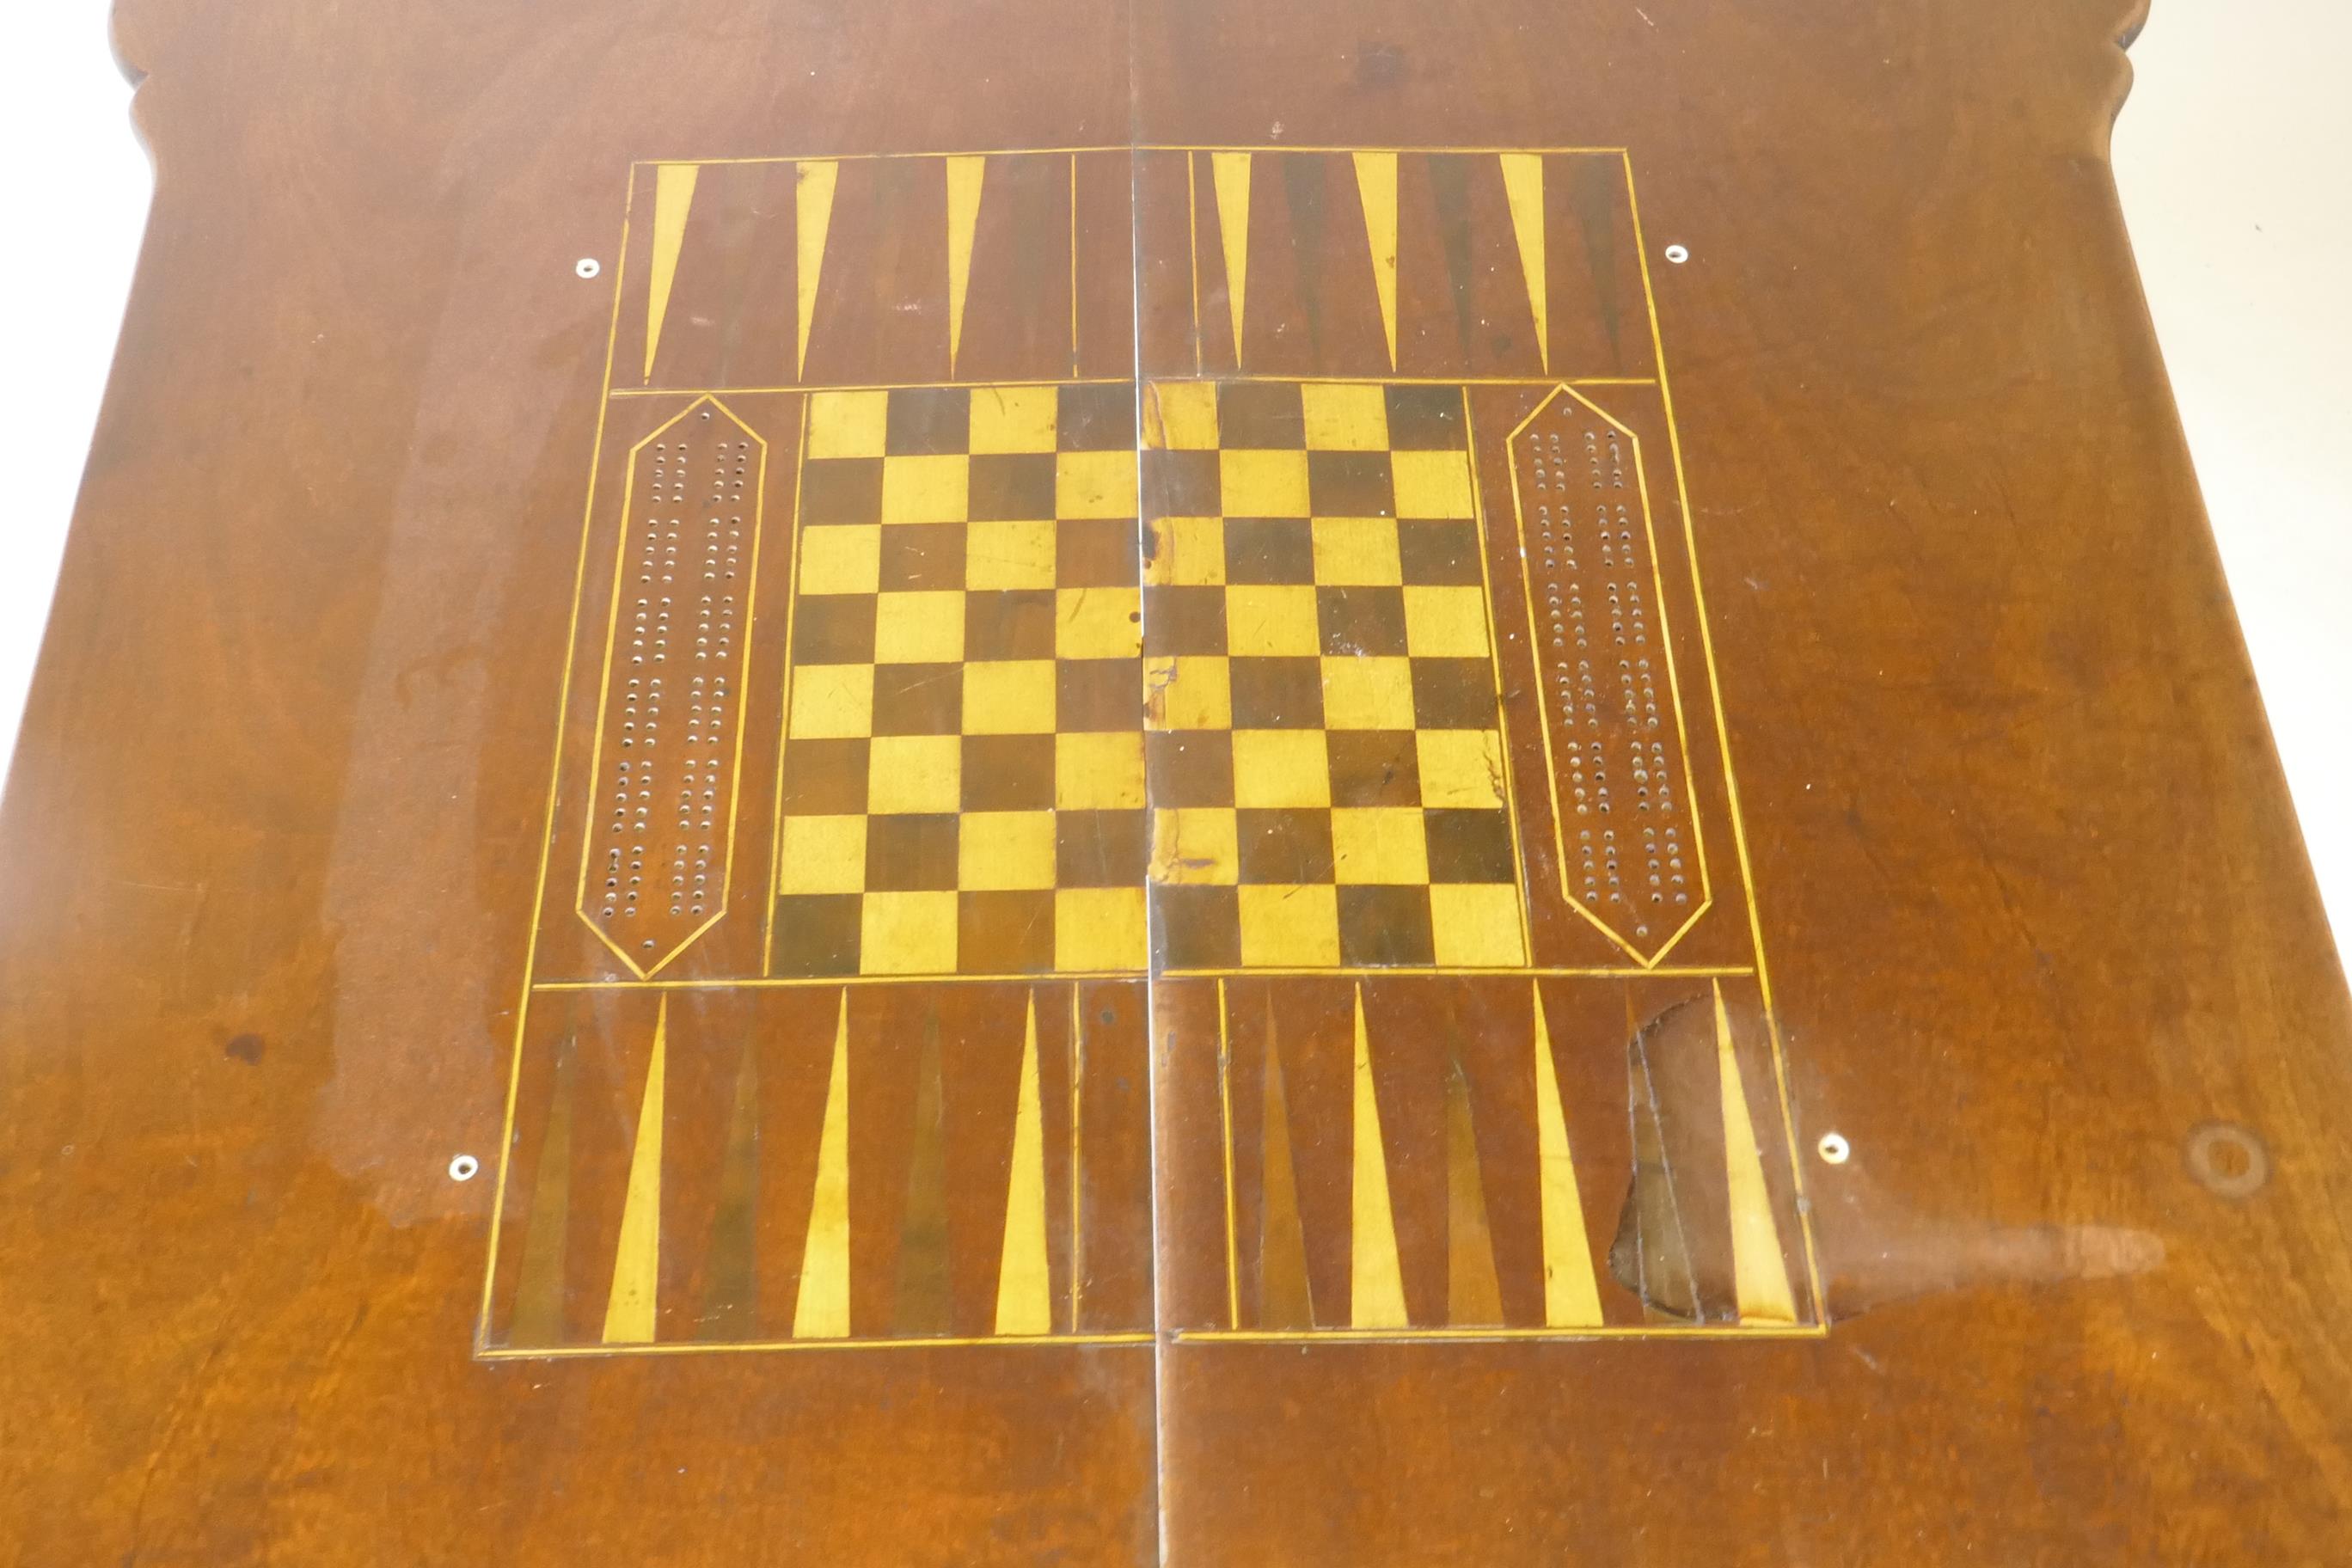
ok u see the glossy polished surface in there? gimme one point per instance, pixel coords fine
(1113, 784)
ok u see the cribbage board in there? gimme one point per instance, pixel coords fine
(961, 713)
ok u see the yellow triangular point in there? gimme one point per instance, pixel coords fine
(1523, 183)
(1375, 1283)
(820, 1312)
(637, 1264)
(812, 213)
(1231, 171)
(1572, 1299)
(1376, 183)
(1758, 1272)
(673, 199)
(964, 179)
(1024, 1286)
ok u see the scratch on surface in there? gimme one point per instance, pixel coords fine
(191, 1394)
(195, 889)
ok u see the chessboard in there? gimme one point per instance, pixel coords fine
(963, 780)
(986, 684)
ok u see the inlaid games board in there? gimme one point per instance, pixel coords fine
(995, 784)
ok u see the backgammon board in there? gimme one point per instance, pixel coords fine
(1124, 783)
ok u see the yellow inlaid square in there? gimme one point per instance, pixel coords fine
(1290, 928)
(926, 488)
(845, 559)
(1446, 622)
(1368, 693)
(1460, 768)
(914, 772)
(1187, 692)
(907, 933)
(1195, 846)
(1263, 484)
(1182, 416)
(1013, 418)
(1272, 620)
(920, 627)
(1098, 928)
(1187, 552)
(1008, 555)
(1379, 844)
(1094, 484)
(847, 424)
(1345, 418)
(1009, 697)
(1097, 623)
(1430, 484)
(833, 700)
(1477, 925)
(1281, 768)
(1357, 551)
(1099, 772)
(996, 851)
(821, 855)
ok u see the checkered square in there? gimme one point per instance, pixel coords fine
(1005, 725)
(964, 764)
(1325, 755)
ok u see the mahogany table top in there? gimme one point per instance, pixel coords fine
(1113, 783)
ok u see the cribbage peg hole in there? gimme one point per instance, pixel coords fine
(1677, 254)
(464, 1168)
(587, 267)
(1833, 1148)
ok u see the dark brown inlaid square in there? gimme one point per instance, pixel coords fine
(913, 852)
(1425, 419)
(1473, 845)
(1095, 552)
(1100, 848)
(921, 555)
(1197, 928)
(1440, 552)
(1384, 925)
(1182, 484)
(817, 933)
(833, 628)
(1261, 414)
(824, 777)
(1278, 693)
(1269, 550)
(928, 420)
(1004, 932)
(1452, 694)
(1098, 694)
(1350, 484)
(1183, 621)
(1011, 487)
(1359, 620)
(1008, 623)
(1374, 767)
(1284, 846)
(840, 490)
(917, 698)
(1008, 772)
(1192, 768)
(1099, 417)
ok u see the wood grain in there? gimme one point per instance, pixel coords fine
(1528, 1256)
